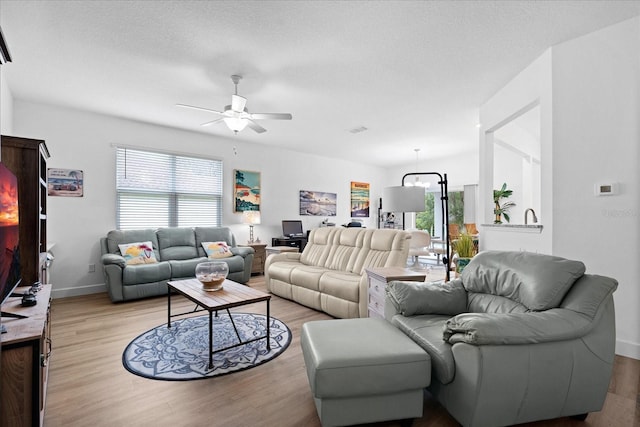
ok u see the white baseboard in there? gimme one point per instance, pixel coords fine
(78, 290)
(628, 349)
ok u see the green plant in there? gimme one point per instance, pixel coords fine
(501, 210)
(464, 246)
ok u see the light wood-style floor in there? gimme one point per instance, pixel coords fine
(88, 385)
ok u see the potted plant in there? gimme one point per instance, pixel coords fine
(501, 210)
(465, 249)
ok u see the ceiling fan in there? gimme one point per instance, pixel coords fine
(236, 116)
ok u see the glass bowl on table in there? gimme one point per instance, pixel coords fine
(212, 274)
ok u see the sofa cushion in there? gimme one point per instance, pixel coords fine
(217, 250)
(317, 249)
(426, 331)
(307, 276)
(537, 281)
(182, 268)
(118, 237)
(382, 248)
(341, 284)
(344, 250)
(138, 253)
(146, 273)
(213, 234)
(411, 298)
(177, 243)
(487, 303)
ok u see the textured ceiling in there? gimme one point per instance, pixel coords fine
(413, 73)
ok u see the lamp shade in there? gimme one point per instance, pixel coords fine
(251, 217)
(236, 124)
(403, 199)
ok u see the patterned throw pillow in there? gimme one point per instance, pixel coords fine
(217, 250)
(138, 253)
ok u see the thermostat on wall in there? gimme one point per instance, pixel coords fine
(606, 189)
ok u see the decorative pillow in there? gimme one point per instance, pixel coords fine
(138, 253)
(217, 250)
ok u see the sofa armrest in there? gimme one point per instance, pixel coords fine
(414, 298)
(516, 328)
(113, 259)
(243, 251)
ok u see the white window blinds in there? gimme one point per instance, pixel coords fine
(166, 190)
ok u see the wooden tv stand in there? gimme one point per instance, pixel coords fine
(26, 348)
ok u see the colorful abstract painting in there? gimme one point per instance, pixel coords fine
(359, 199)
(246, 190)
(318, 203)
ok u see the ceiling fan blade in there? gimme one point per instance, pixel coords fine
(212, 122)
(199, 108)
(238, 103)
(271, 116)
(253, 125)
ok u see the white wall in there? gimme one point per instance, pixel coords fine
(590, 110)
(83, 140)
(6, 105)
(596, 133)
(530, 86)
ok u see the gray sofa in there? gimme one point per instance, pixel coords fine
(177, 250)
(329, 275)
(518, 337)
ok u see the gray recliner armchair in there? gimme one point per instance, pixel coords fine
(532, 337)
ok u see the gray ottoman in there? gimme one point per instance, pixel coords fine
(363, 370)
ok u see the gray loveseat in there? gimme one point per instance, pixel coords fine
(177, 251)
(518, 337)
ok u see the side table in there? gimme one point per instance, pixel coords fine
(279, 249)
(258, 258)
(378, 279)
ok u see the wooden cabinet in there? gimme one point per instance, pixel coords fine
(27, 159)
(26, 348)
(378, 279)
(258, 258)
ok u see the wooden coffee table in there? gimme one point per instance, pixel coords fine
(231, 295)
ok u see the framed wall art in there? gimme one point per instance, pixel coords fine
(359, 199)
(246, 191)
(318, 203)
(65, 182)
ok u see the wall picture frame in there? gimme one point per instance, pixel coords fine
(65, 182)
(360, 199)
(318, 203)
(246, 190)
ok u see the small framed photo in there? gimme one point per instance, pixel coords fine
(65, 182)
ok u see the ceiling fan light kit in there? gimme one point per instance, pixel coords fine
(236, 116)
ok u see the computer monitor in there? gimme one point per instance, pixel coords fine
(292, 228)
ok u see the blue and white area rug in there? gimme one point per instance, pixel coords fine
(181, 352)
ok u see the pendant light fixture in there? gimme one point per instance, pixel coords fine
(417, 182)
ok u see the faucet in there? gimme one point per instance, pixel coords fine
(535, 218)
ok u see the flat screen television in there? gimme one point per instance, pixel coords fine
(292, 228)
(9, 234)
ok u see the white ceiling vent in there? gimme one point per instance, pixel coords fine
(358, 129)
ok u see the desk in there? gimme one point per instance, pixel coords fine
(298, 242)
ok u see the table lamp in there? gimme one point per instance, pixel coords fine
(252, 218)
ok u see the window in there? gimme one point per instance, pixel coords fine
(166, 190)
